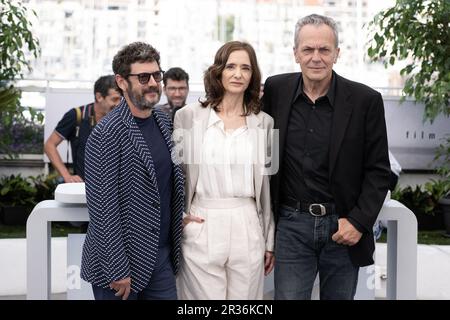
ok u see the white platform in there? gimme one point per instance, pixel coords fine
(69, 205)
(71, 193)
(433, 278)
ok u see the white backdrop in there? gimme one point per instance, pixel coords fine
(412, 142)
(58, 102)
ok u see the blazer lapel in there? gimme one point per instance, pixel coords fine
(341, 116)
(286, 97)
(254, 125)
(164, 130)
(199, 120)
(138, 141)
(177, 172)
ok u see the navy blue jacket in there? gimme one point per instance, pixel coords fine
(124, 203)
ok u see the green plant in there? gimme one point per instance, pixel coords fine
(45, 186)
(417, 31)
(417, 200)
(437, 189)
(422, 200)
(22, 136)
(16, 40)
(443, 154)
(15, 36)
(16, 190)
(443, 169)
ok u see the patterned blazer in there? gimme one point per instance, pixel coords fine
(124, 203)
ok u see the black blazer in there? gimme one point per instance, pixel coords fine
(358, 159)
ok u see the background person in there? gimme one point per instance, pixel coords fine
(176, 89)
(76, 126)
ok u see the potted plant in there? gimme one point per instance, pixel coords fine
(45, 186)
(423, 202)
(22, 135)
(444, 202)
(17, 43)
(16, 199)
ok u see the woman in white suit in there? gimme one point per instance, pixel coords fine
(223, 142)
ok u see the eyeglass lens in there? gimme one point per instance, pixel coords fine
(144, 78)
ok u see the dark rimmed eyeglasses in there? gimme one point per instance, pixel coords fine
(144, 77)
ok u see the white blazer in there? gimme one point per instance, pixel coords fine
(190, 124)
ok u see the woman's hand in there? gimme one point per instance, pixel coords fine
(190, 218)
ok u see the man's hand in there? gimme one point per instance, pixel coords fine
(190, 218)
(50, 148)
(123, 287)
(347, 234)
(269, 261)
(72, 178)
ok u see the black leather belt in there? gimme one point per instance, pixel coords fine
(315, 209)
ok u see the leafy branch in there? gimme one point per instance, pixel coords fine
(417, 31)
(15, 36)
(16, 41)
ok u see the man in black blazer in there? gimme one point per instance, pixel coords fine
(334, 168)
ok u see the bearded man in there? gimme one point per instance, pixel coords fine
(134, 190)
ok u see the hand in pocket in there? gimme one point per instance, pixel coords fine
(190, 218)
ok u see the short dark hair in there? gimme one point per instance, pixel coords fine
(104, 83)
(213, 78)
(134, 52)
(176, 74)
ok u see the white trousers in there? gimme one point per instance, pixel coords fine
(223, 257)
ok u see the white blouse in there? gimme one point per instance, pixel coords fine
(226, 168)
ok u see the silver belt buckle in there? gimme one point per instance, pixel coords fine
(323, 210)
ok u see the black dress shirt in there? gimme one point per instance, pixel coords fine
(305, 165)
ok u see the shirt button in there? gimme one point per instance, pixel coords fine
(311, 130)
(313, 107)
(307, 153)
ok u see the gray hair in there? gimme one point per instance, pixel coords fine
(316, 19)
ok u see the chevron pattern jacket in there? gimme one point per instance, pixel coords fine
(124, 203)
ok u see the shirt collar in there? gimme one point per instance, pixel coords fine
(213, 119)
(330, 93)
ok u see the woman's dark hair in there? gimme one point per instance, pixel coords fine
(213, 78)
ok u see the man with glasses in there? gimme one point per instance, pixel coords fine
(134, 191)
(176, 89)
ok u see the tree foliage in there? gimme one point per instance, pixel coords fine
(15, 37)
(16, 42)
(417, 31)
